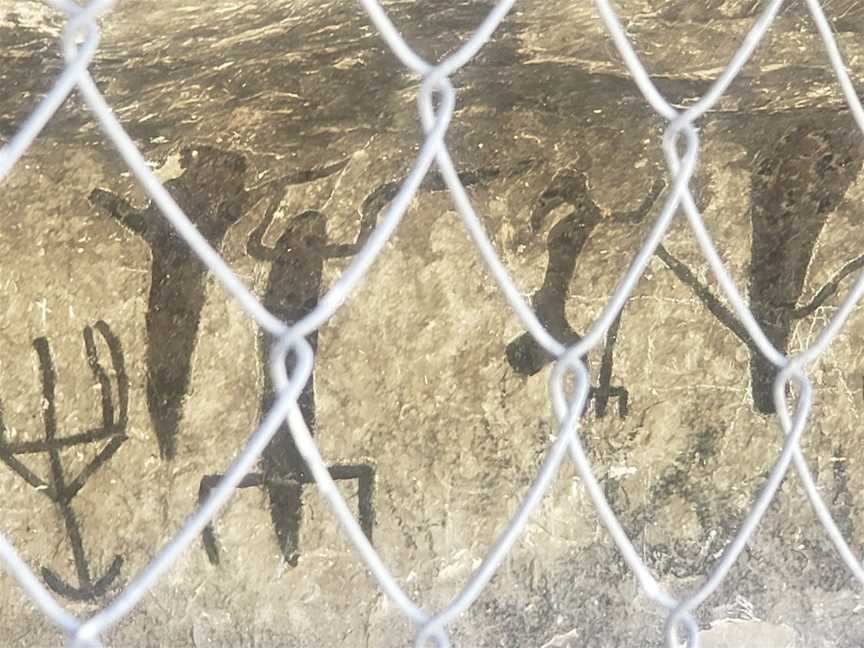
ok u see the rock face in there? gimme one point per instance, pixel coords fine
(129, 379)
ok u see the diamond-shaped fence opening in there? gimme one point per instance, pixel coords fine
(437, 101)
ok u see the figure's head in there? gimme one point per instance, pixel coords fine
(567, 188)
(304, 231)
(207, 164)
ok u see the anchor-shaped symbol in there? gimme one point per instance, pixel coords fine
(57, 488)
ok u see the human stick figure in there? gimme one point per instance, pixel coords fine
(293, 289)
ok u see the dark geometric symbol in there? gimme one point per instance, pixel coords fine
(57, 488)
(795, 186)
(211, 193)
(565, 242)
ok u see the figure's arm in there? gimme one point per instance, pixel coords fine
(304, 176)
(109, 204)
(636, 215)
(372, 206)
(255, 245)
(829, 289)
(434, 181)
(384, 194)
(725, 316)
(318, 173)
(7, 456)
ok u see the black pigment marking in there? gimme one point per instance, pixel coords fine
(211, 193)
(843, 501)
(795, 188)
(796, 185)
(703, 292)
(293, 290)
(605, 390)
(565, 242)
(57, 488)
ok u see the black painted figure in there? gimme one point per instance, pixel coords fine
(58, 488)
(796, 185)
(565, 242)
(293, 289)
(211, 193)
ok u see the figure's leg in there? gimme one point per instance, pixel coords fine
(365, 476)
(286, 513)
(282, 464)
(286, 505)
(524, 354)
(623, 397)
(604, 390)
(208, 535)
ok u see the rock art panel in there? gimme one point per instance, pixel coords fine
(130, 380)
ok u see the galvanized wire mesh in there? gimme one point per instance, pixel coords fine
(436, 101)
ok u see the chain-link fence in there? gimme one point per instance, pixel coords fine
(569, 381)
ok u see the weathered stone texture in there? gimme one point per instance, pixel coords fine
(422, 377)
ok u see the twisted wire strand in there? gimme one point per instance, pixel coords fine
(435, 85)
